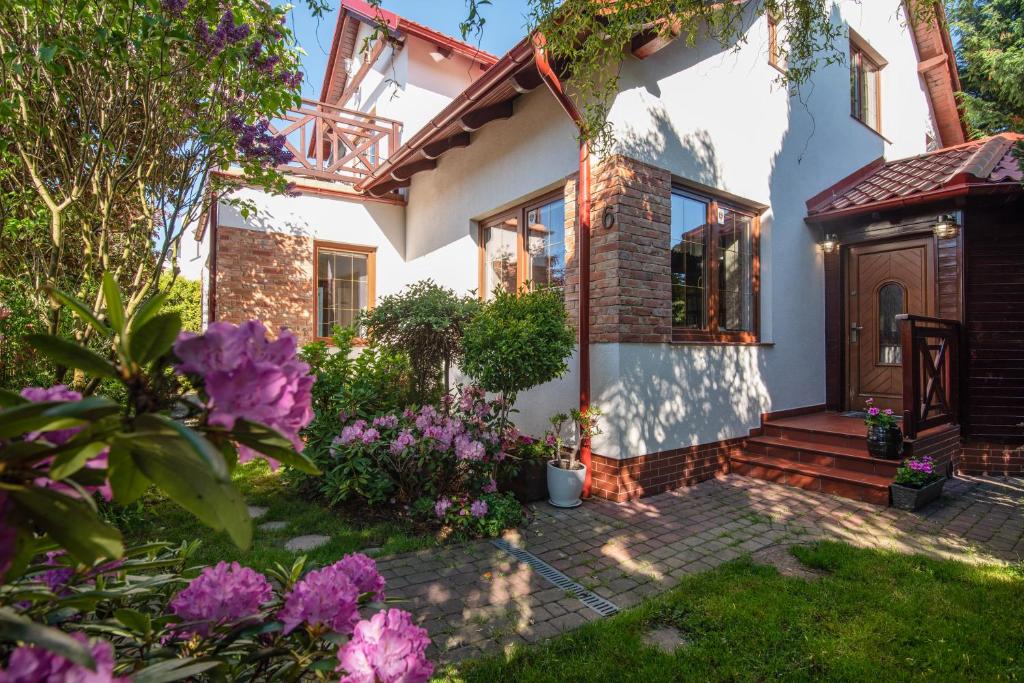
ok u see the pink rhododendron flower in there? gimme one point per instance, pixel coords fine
(326, 597)
(389, 648)
(468, 449)
(56, 579)
(221, 594)
(30, 664)
(362, 570)
(478, 509)
(247, 376)
(441, 507)
(491, 487)
(386, 421)
(370, 435)
(402, 441)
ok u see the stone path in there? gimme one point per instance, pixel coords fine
(474, 598)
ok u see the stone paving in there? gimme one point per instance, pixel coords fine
(473, 598)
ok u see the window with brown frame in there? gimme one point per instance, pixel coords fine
(524, 246)
(776, 52)
(865, 85)
(715, 270)
(345, 277)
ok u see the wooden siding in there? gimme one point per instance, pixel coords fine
(994, 386)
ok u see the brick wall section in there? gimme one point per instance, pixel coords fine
(647, 475)
(941, 443)
(983, 457)
(267, 276)
(631, 290)
(572, 270)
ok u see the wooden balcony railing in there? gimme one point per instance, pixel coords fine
(331, 143)
(931, 369)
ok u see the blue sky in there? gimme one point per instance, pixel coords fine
(505, 25)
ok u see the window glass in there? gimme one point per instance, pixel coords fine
(776, 51)
(500, 258)
(735, 273)
(545, 227)
(343, 289)
(891, 303)
(689, 263)
(864, 87)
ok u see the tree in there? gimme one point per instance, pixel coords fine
(990, 59)
(112, 115)
(184, 296)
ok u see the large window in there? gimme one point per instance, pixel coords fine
(715, 270)
(344, 277)
(865, 85)
(524, 246)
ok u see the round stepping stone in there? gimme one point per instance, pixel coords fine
(301, 543)
(372, 552)
(255, 511)
(666, 639)
(273, 526)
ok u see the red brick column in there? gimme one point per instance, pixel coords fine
(267, 276)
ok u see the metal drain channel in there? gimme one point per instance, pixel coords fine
(558, 579)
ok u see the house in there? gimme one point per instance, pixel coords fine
(755, 267)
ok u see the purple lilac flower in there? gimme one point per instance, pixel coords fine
(324, 598)
(370, 435)
(256, 142)
(30, 664)
(402, 441)
(362, 571)
(441, 507)
(246, 376)
(478, 509)
(389, 648)
(491, 487)
(221, 594)
(174, 7)
(386, 421)
(468, 449)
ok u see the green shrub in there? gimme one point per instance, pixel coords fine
(185, 297)
(20, 363)
(458, 515)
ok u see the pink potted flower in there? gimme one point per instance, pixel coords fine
(918, 482)
(885, 439)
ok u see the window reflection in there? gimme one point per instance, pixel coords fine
(891, 303)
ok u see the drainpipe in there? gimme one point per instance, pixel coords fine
(554, 84)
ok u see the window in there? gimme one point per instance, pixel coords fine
(776, 52)
(524, 246)
(715, 270)
(344, 277)
(891, 303)
(865, 85)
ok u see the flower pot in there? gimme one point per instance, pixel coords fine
(885, 442)
(909, 498)
(530, 484)
(565, 486)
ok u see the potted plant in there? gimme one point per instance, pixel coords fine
(567, 474)
(885, 440)
(916, 484)
(527, 478)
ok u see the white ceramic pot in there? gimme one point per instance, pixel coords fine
(565, 486)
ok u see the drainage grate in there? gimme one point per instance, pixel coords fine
(558, 579)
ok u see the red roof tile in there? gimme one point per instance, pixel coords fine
(878, 185)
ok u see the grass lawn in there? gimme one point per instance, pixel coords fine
(158, 519)
(874, 616)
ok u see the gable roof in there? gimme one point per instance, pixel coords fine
(986, 165)
(936, 63)
(351, 13)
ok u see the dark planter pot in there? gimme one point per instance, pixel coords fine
(531, 482)
(907, 498)
(886, 443)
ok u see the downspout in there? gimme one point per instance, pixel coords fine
(554, 84)
(211, 295)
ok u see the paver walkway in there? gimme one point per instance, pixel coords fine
(474, 598)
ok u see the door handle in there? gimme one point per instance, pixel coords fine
(855, 332)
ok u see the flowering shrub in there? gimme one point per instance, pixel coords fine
(487, 515)
(917, 472)
(144, 620)
(877, 417)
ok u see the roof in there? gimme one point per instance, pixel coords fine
(986, 165)
(936, 63)
(343, 44)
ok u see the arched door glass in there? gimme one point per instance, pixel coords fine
(891, 302)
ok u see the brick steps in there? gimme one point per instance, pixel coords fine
(817, 452)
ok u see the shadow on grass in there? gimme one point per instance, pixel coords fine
(874, 615)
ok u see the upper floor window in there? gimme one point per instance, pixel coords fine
(865, 84)
(524, 246)
(776, 49)
(344, 276)
(715, 270)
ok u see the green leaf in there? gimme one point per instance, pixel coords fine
(154, 338)
(72, 355)
(272, 444)
(47, 53)
(69, 462)
(15, 628)
(52, 415)
(10, 398)
(112, 297)
(174, 670)
(126, 480)
(71, 522)
(179, 435)
(147, 310)
(80, 309)
(137, 621)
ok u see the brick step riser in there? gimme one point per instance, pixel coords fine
(810, 482)
(797, 455)
(823, 438)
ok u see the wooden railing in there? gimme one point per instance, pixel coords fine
(331, 143)
(931, 369)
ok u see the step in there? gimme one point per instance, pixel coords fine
(870, 488)
(845, 457)
(842, 434)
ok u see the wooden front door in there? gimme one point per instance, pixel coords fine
(883, 281)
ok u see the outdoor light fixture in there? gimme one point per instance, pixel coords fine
(947, 228)
(830, 244)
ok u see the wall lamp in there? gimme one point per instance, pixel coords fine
(947, 228)
(830, 244)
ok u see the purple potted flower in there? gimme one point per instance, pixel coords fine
(885, 439)
(917, 483)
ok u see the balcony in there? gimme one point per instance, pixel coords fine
(335, 144)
